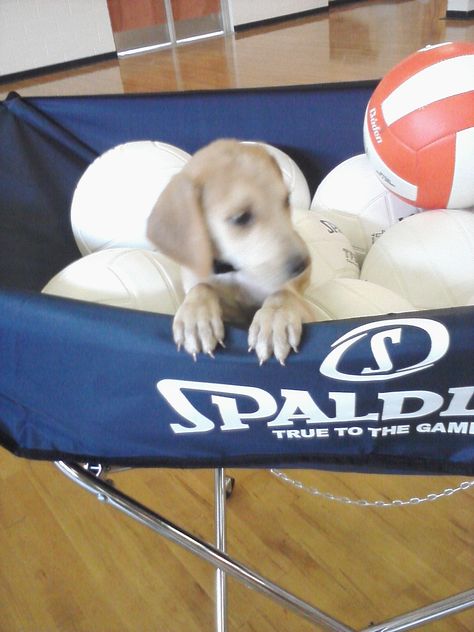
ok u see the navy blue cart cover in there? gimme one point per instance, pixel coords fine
(85, 382)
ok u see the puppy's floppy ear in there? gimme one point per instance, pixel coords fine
(177, 226)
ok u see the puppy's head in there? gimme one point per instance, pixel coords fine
(230, 203)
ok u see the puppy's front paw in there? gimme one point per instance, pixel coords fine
(197, 325)
(275, 330)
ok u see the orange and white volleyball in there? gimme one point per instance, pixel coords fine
(419, 127)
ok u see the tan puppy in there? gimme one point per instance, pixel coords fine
(225, 218)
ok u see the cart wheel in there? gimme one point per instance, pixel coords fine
(229, 486)
(99, 471)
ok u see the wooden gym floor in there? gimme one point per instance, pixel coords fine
(354, 41)
(70, 564)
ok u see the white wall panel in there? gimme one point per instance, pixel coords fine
(248, 11)
(38, 33)
(460, 5)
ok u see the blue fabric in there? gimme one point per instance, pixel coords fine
(40, 165)
(89, 382)
(85, 382)
(317, 126)
(47, 143)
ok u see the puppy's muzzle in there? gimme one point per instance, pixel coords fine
(296, 265)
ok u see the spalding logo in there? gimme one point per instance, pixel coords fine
(377, 335)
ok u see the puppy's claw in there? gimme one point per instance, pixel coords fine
(221, 342)
(263, 354)
(194, 355)
(211, 355)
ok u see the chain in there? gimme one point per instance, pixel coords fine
(449, 491)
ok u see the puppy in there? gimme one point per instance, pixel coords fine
(225, 218)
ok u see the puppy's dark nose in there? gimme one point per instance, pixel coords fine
(296, 265)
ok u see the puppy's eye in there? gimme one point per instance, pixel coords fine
(242, 219)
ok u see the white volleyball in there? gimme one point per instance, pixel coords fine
(428, 258)
(117, 192)
(350, 298)
(300, 196)
(352, 196)
(129, 278)
(331, 252)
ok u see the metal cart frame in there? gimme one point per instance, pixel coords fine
(225, 565)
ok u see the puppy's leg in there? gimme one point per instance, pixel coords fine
(277, 326)
(197, 325)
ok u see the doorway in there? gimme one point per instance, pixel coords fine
(141, 25)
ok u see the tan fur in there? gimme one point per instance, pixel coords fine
(230, 203)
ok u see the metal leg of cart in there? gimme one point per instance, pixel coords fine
(422, 616)
(228, 566)
(220, 495)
